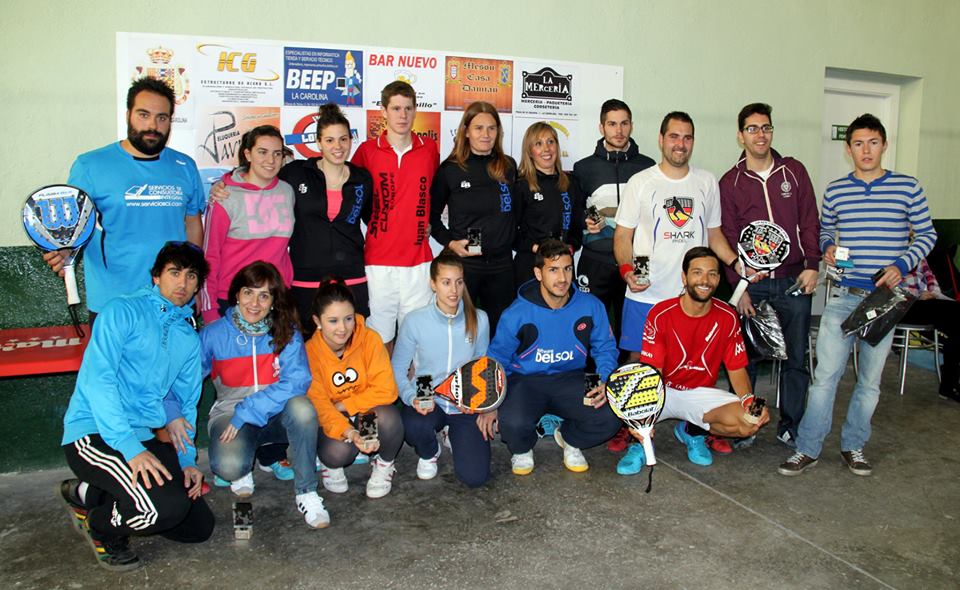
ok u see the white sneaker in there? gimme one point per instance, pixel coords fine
(334, 480)
(573, 459)
(445, 438)
(522, 463)
(243, 487)
(427, 468)
(311, 505)
(381, 478)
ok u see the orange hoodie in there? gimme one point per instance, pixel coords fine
(361, 380)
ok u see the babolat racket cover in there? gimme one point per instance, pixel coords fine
(636, 393)
(476, 387)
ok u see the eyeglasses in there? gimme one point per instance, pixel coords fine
(754, 129)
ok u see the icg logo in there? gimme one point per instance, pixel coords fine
(550, 356)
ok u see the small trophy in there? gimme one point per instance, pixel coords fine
(242, 521)
(473, 240)
(593, 214)
(590, 382)
(423, 399)
(641, 269)
(842, 265)
(755, 410)
(367, 427)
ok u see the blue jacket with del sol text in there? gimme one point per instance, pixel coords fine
(533, 339)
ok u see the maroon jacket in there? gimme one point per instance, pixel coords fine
(786, 198)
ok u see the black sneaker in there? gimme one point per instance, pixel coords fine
(952, 393)
(114, 555)
(856, 462)
(66, 490)
(796, 464)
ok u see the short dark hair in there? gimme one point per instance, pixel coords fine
(182, 255)
(550, 249)
(675, 115)
(754, 108)
(397, 88)
(613, 104)
(148, 84)
(249, 140)
(699, 252)
(867, 121)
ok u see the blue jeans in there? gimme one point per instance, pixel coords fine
(793, 311)
(833, 349)
(296, 424)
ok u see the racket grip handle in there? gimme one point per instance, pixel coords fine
(648, 449)
(70, 280)
(739, 291)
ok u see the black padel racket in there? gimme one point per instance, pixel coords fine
(763, 246)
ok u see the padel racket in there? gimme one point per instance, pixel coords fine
(476, 387)
(636, 392)
(60, 216)
(763, 246)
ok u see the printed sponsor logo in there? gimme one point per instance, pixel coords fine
(551, 356)
(679, 210)
(153, 195)
(465, 184)
(547, 84)
(315, 76)
(537, 196)
(583, 283)
(785, 189)
(242, 62)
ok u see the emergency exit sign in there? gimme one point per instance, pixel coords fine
(838, 132)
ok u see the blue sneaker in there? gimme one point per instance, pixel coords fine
(281, 470)
(548, 425)
(362, 459)
(220, 482)
(633, 461)
(697, 450)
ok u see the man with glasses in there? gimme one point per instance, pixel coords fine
(145, 193)
(763, 185)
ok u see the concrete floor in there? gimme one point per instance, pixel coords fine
(737, 524)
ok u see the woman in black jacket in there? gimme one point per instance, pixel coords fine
(548, 203)
(475, 183)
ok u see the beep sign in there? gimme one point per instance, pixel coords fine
(312, 76)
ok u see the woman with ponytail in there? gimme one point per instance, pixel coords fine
(351, 377)
(437, 339)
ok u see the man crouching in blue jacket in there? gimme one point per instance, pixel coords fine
(543, 340)
(142, 348)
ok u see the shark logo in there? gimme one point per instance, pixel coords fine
(679, 210)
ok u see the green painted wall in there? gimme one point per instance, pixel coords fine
(707, 57)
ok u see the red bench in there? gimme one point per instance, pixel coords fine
(36, 351)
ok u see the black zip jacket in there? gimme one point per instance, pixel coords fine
(548, 212)
(602, 177)
(474, 200)
(319, 246)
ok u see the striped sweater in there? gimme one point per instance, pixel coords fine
(874, 220)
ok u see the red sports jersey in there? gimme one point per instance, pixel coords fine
(687, 350)
(399, 230)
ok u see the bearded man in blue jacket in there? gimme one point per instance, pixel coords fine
(543, 340)
(143, 348)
